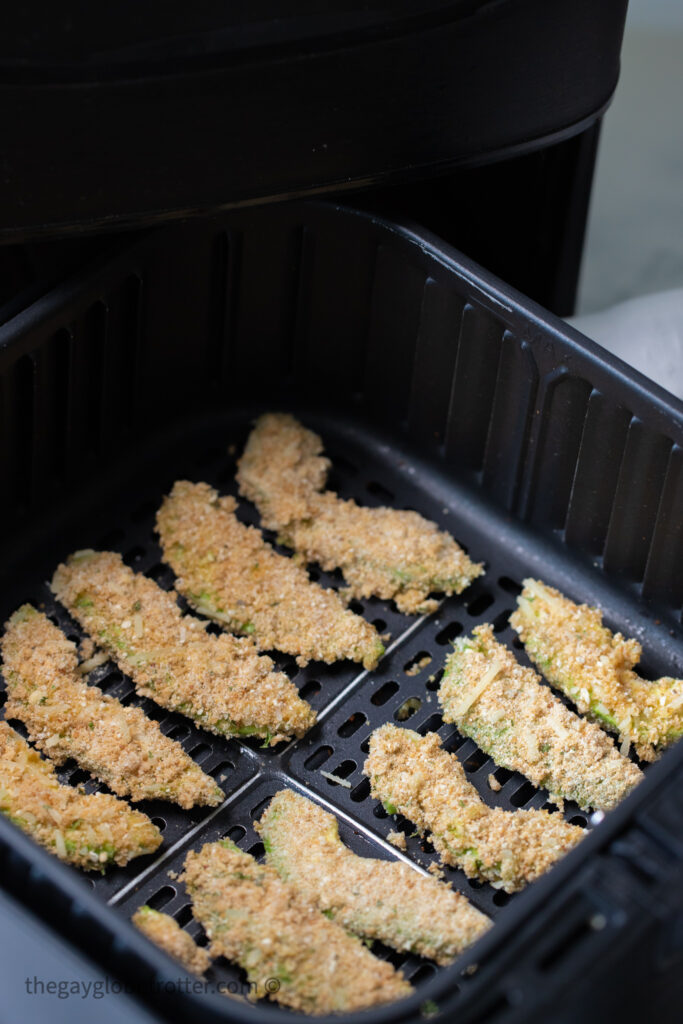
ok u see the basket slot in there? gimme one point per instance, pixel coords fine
(395, 319)
(562, 406)
(435, 355)
(474, 382)
(339, 305)
(663, 577)
(636, 501)
(516, 385)
(597, 472)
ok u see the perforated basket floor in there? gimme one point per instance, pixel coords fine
(350, 703)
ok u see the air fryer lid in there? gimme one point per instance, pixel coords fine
(141, 113)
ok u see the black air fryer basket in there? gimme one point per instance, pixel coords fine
(434, 387)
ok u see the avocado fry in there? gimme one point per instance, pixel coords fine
(66, 718)
(413, 775)
(595, 669)
(220, 682)
(228, 572)
(290, 950)
(376, 899)
(518, 721)
(390, 553)
(90, 831)
(165, 932)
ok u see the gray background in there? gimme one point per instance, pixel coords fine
(634, 244)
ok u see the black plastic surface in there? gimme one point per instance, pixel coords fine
(524, 218)
(436, 388)
(133, 115)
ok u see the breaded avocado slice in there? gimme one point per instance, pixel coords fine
(389, 553)
(377, 899)
(595, 669)
(413, 775)
(290, 950)
(165, 932)
(91, 831)
(66, 718)
(517, 720)
(228, 572)
(220, 682)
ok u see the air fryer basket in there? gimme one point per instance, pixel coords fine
(434, 387)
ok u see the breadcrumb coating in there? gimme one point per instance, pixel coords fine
(513, 717)
(378, 899)
(91, 831)
(221, 682)
(398, 840)
(389, 553)
(228, 572)
(67, 718)
(594, 668)
(165, 932)
(414, 776)
(290, 950)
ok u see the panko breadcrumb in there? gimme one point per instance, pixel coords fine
(594, 668)
(88, 830)
(165, 932)
(67, 718)
(418, 665)
(398, 840)
(290, 950)
(389, 553)
(515, 719)
(378, 899)
(493, 782)
(414, 776)
(221, 682)
(228, 572)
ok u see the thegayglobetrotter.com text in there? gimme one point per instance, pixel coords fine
(73, 988)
